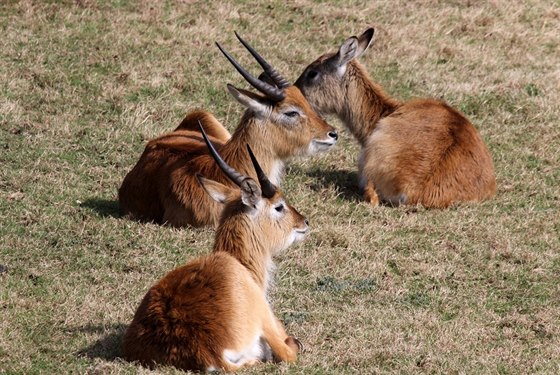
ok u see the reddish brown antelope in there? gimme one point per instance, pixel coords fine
(421, 151)
(162, 186)
(213, 313)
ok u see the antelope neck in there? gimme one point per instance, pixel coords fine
(235, 152)
(367, 103)
(236, 237)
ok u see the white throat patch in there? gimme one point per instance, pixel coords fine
(276, 172)
(341, 70)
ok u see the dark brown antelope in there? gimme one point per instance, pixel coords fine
(162, 186)
(213, 313)
(422, 151)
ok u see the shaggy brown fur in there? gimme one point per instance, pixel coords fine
(422, 151)
(213, 313)
(162, 186)
(215, 128)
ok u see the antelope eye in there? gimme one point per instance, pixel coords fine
(279, 208)
(312, 74)
(292, 114)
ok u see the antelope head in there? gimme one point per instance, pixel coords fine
(259, 207)
(325, 81)
(281, 111)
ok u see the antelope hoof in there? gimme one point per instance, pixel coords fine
(371, 196)
(294, 343)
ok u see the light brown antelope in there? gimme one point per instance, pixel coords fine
(421, 151)
(162, 187)
(214, 128)
(213, 313)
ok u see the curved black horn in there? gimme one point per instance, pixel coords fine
(270, 91)
(280, 81)
(267, 188)
(233, 175)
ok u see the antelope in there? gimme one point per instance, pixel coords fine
(162, 187)
(213, 313)
(418, 152)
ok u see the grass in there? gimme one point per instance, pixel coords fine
(471, 289)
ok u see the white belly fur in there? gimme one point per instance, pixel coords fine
(257, 350)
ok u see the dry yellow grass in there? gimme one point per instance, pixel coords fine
(472, 289)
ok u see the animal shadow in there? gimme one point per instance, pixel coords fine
(104, 207)
(107, 347)
(345, 182)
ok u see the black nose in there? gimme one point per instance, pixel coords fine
(333, 134)
(306, 222)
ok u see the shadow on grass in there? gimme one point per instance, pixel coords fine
(345, 182)
(108, 347)
(104, 207)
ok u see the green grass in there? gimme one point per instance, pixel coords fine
(470, 289)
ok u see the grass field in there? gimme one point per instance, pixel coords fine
(468, 290)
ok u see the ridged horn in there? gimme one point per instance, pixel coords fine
(280, 81)
(267, 188)
(273, 93)
(232, 174)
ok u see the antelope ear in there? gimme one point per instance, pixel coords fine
(364, 41)
(353, 47)
(254, 102)
(251, 193)
(347, 51)
(217, 191)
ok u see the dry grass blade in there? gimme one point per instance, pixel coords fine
(472, 289)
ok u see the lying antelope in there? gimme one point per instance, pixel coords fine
(213, 313)
(162, 186)
(421, 151)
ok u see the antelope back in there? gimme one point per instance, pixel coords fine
(213, 127)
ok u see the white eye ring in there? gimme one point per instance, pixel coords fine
(279, 208)
(292, 114)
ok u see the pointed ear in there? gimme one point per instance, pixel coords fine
(353, 47)
(219, 192)
(250, 193)
(364, 41)
(249, 100)
(347, 51)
